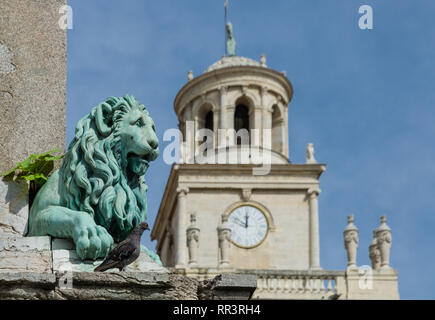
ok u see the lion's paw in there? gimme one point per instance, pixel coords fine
(93, 242)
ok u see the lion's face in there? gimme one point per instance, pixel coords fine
(140, 142)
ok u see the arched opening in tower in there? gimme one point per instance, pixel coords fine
(241, 124)
(209, 120)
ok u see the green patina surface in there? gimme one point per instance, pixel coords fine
(231, 42)
(99, 194)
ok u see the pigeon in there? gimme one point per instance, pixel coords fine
(125, 252)
(335, 296)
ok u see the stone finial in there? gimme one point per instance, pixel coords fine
(224, 236)
(351, 242)
(192, 238)
(309, 154)
(190, 75)
(384, 239)
(374, 254)
(284, 73)
(263, 60)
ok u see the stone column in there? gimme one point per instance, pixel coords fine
(267, 114)
(286, 142)
(258, 112)
(32, 121)
(220, 130)
(224, 236)
(216, 119)
(180, 227)
(222, 108)
(192, 235)
(383, 238)
(190, 146)
(231, 109)
(195, 138)
(164, 252)
(312, 195)
(351, 242)
(32, 79)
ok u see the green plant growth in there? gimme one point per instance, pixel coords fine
(35, 169)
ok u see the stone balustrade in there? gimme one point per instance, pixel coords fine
(286, 284)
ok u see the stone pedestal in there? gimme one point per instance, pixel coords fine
(65, 259)
(376, 285)
(38, 268)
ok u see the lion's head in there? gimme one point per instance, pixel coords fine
(103, 169)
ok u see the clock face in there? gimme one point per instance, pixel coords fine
(248, 226)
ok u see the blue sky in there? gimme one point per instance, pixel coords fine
(365, 98)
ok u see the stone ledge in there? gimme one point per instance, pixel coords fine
(122, 286)
(228, 287)
(27, 285)
(118, 278)
(43, 280)
(237, 281)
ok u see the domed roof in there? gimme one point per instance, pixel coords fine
(234, 61)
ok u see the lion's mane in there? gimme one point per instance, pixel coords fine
(94, 170)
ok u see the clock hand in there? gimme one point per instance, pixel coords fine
(240, 222)
(246, 220)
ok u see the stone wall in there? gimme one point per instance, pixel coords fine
(32, 79)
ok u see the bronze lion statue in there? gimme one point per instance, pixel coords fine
(99, 193)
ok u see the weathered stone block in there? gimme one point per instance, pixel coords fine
(228, 287)
(30, 261)
(65, 259)
(24, 244)
(14, 208)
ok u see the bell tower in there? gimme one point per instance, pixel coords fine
(241, 101)
(217, 213)
(235, 203)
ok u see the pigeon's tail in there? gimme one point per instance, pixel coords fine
(106, 265)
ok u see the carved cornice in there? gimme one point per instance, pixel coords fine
(232, 77)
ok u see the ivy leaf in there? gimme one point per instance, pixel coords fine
(36, 167)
